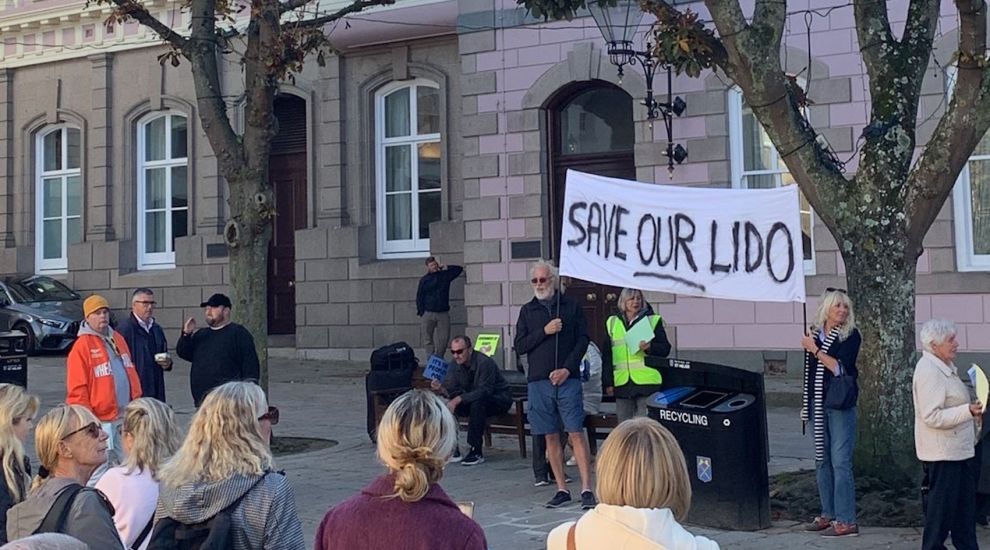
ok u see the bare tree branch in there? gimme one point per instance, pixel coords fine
(961, 127)
(875, 39)
(130, 8)
(354, 7)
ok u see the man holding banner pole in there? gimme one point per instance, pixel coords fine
(551, 332)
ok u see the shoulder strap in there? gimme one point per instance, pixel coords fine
(55, 518)
(144, 532)
(571, 545)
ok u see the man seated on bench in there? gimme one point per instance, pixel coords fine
(477, 390)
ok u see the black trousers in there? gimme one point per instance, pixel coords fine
(951, 504)
(541, 466)
(478, 412)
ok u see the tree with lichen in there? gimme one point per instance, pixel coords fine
(880, 215)
(270, 42)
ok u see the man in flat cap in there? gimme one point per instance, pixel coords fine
(220, 353)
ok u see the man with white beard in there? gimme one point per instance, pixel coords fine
(551, 333)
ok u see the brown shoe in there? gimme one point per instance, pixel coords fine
(818, 524)
(839, 529)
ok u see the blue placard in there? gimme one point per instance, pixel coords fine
(436, 368)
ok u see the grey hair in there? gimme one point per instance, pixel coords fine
(936, 331)
(545, 264)
(140, 292)
(628, 294)
(46, 541)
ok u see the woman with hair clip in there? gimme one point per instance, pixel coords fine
(149, 437)
(416, 436)
(829, 404)
(225, 465)
(644, 493)
(17, 410)
(71, 446)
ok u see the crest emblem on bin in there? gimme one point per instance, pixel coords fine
(704, 469)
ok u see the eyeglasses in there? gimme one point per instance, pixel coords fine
(833, 289)
(92, 429)
(145, 302)
(457, 351)
(539, 280)
(271, 416)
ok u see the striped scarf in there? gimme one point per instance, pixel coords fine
(817, 407)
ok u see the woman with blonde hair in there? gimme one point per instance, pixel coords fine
(416, 436)
(149, 437)
(70, 446)
(17, 411)
(225, 466)
(829, 404)
(643, 492)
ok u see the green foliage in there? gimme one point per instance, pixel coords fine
(682, 42)
(553, 9)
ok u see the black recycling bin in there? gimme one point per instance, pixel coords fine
(718, 415)
(13, 358)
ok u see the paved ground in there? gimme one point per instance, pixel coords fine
(320, 399)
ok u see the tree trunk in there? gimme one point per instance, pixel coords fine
(881, 279)
(248, 235)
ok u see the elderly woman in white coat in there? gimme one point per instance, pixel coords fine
(944, 437)
(643, 491)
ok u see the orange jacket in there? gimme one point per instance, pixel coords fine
(89, 380)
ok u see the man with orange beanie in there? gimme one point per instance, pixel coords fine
(100, 374)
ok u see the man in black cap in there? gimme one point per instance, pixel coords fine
(221, 353)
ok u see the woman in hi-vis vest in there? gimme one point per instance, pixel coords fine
(624, 372)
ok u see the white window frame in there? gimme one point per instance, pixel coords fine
(962, 203)
(735, 110)
(61, 264)
(415, 247)
(166, 259)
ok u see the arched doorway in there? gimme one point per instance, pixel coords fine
(287, 174)
(590, 130)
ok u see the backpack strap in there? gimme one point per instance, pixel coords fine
(571, 545)
(144, 533)
(54, 520)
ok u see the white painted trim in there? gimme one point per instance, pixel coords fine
(737, 170)
(406, 248)
(61, 264)
(166, 259)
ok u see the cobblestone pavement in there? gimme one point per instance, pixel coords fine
(326, 400)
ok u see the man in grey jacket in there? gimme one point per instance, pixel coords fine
(477, 390)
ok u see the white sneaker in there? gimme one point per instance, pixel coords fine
(456, 457)
(572, 461)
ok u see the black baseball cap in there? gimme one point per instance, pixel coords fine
(217, 300)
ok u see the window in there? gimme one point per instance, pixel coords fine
(408, 178)
(58, 194)
(757, 165)
(163, 188)
(971, 202)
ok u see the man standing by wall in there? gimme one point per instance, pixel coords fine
(433, 304)
(477, 390)
(551, 332)
(221, 353)
(146, 340)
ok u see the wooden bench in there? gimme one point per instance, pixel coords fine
(598, 426)
(512, 422)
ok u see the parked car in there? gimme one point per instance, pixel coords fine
(41, 307)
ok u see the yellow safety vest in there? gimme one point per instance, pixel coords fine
(626, 366)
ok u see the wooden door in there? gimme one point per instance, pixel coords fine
(287, 175)
(591, 131)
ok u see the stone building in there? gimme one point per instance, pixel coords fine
(442, 127)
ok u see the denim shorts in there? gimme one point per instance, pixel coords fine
(549, 405)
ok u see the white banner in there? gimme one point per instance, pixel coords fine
(739, 244)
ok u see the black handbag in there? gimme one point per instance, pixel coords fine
(841, 392)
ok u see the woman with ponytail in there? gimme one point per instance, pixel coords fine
(149, 437)
(17, 411)
(416, 436)
(71, 446)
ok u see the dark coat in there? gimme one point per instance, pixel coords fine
(433, 293)
(144, 345)
(845, 352)
(479, 379)
(546, 353)
(7, 498)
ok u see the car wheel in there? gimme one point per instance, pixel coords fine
(30, 344)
